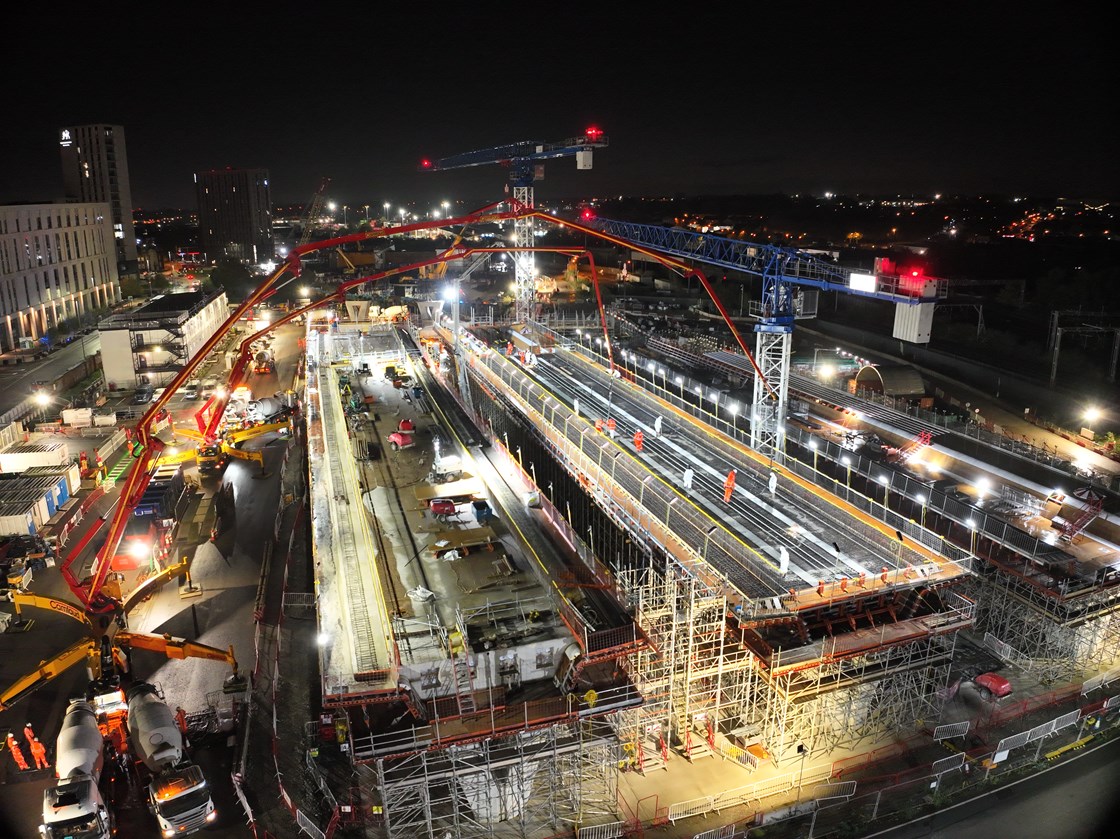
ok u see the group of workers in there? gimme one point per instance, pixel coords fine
(38, 750)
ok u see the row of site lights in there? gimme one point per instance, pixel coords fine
(655, 371)
(387, 207)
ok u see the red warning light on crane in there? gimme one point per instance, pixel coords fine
(912, 280)
(586, 214)
(425, 164)
(593, 133)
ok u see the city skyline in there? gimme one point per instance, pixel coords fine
(801, 99)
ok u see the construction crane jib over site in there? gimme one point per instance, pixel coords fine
(525, 163)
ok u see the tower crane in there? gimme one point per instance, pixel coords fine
(525, 163)
(314, 211)
(782, 270)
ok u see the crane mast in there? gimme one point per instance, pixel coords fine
(314, 211)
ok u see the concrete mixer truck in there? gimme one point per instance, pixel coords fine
(178, 794)
(263, 362)
(74, 806)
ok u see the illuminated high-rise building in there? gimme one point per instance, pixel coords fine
(95, 169)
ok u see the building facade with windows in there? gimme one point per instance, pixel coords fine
(235, 215)
(151, 344)
(95, 168)
(57, 261)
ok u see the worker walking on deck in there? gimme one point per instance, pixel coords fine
(39, 752)
(17, 755)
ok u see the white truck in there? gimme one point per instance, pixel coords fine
(178, 794)
(74, 808)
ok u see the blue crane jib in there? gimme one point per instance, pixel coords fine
(780, 268)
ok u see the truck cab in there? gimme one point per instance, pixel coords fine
(75, 810)
(180, 800)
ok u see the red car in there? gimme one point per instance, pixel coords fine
(992, 685)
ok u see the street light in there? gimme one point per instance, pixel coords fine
(680, 384)
(446, 208)
(922, 500)
(972, 543)
(847, 461)
(816, 453)
(734, 409)
(385, 217)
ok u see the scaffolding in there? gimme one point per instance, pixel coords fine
(1056, 634)
(526, 784)
(695, 679)
(842, 700)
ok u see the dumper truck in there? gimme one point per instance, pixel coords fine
(74, 806)
(178, 794)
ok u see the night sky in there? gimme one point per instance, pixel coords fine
(715, 98)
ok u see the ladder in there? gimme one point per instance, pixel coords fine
(461, 672)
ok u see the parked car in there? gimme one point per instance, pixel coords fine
(142, 396)
(992, 685)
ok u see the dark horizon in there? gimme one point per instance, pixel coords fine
(896, 101)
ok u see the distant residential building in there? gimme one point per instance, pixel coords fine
(95, 168)
(151, 344)
(235, 214)
(57, 261)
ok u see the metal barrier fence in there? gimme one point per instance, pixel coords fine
(611, 830)
(752, 792)
(1100, 681)
(975, 522)
(951, 730)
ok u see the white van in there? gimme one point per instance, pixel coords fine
(207, 388)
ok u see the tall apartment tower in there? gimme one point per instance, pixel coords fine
(235, 214)
(94, 169)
